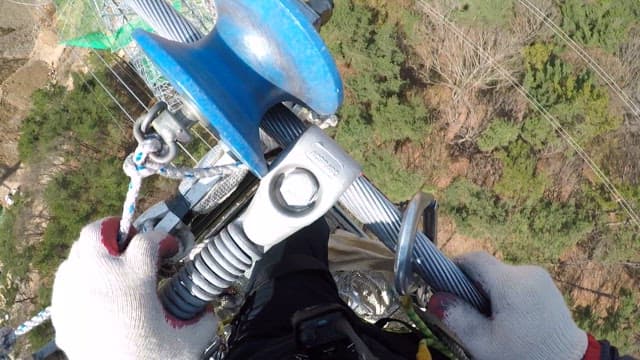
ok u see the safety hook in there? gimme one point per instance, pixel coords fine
(169, 148)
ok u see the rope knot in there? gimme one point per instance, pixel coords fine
(135, 165)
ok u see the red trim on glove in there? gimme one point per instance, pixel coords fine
(169, 246)
(109, 229)
(439, 303)
(176, 323)
(593, 349)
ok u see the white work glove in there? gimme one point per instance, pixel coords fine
(105, 305)
(529, 319)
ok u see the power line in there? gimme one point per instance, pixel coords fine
(145, 107)
(74, 52)
(616, 195)
(120, 80)
(626, 99)
(111, 114)
(133, 75)
(29, 4)
(111, 96)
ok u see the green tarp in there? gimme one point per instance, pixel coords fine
(102, 41)
(79, 24)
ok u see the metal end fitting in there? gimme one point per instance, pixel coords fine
(168, 128)
(324, 9)
(297, 189)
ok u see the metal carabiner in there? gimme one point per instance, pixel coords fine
(142, 125)
(420, 204)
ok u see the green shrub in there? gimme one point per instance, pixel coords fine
(520, 181)
(499, 134)
(601, 23)
(475, 210)
(37, 130)
(545, 230)
(482, 13)
(538, 133)
(14, 253)
(79, 126)
(76, 198)
(78, 121)
(536, 232)
(548, 79)
(575, 99)
(380, 110)
(618, 326)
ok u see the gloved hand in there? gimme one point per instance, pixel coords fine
(529, 319)
(105, 304)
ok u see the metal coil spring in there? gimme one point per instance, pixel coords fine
(222, 261)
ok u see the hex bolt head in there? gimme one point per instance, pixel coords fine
(297, 189)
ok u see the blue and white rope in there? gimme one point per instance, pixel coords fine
(134, 167)
(138, 165)
(34, 322)
(8, 336)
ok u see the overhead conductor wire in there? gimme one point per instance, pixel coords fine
(608, 79)
(616, 195)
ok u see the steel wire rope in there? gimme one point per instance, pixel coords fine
(608, 79)
(145, 107)
(126, 66)
(111, 96)
(74, 53)
(29, 4)
(617, 196)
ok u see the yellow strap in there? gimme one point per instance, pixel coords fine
(423, 351)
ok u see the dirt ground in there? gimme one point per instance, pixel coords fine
(30, 58)
(586, 282)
